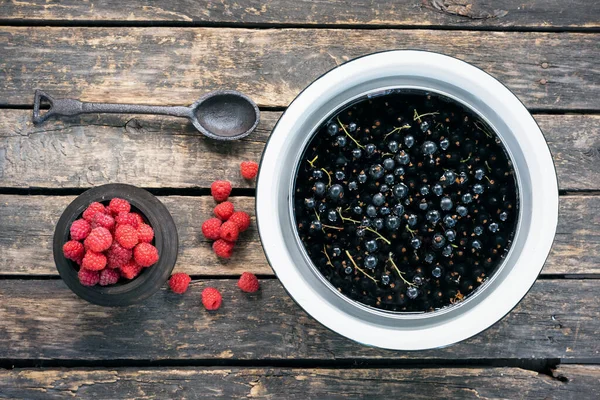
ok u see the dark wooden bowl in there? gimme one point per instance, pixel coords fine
(150, 279)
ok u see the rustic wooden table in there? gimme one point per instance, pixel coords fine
(54, 345)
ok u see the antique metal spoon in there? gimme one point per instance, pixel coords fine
(221, 115)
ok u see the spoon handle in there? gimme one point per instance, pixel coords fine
(70, 107)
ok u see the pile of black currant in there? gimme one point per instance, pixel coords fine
(406, 201)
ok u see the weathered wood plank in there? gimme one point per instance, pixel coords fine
(176, 65)
(27, 225)
(286, 383)
(156, 151)
(42, 319)
(472, 13)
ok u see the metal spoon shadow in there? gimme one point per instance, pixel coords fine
(221, 115)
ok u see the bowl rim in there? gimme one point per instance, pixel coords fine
(150, 279)
(407, 337)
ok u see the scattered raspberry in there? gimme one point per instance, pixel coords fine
(249, 169)
(211, 298)
(248, 283)
(94, 261)
(80, 229)
(118, 205)
(130, 270)
(92, 209)
(117, 255)
(145, 254)
(126, 218)
(210, 228)
(224, 210)
(179, 282)
(220, 190)
(98, 240)
(127, 236)
(139, 218)
(229, 231)
(87, 277)
(145, 233)
(103, 220)
(241, 219)
(73, 250)
(223, 248)
(109, 277)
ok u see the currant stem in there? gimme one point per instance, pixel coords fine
(349, 135)
(328, 175)
(358, 268)
(327, 255)
(411, 231)
(396, 129)
(416, 115)
(339, 210)
(332, 227)
(400, 274)
(312, 162)
(378, 234)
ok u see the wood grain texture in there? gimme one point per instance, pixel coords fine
(301, 384)
(156, 152)
(43, 319)
(27, 225)
(451, 13)
(177, 65)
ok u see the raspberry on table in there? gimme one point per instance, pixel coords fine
(211, 298)
(109, 277)
(223, 248)
(130, 270)
(241, 219)
(210, 228)
(127, 218)
(88, 277)
(229, 231)
(220, 190)
(93, 261)
(145, 254)
(92, 209)
(179, 282)
(248, 282)
(127, 236)
(249, 169)
(73, 250)
(117, 255)
(103, 220)
(145, 233)
(224, 210)
(98, 240)
(118, 205)
(80, 229)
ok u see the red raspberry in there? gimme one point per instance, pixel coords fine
(80, 229)
(241, 219)
(103, 220)
(179, 282)
(109, 277)
(210, 228)
(139, 218)
(94, 261)
(145, 233)
(229, 231)
(248, 283)
(73, 250)
(117, 255)
(220, 190)
(249, 169)
(223, 248)
(125, 218)
(98, 240)
(87, 277)
(118, 205)
(127, 236)
(92, 209)
(211, 298)
(145, 254)
(130, 270)
(224, 210)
